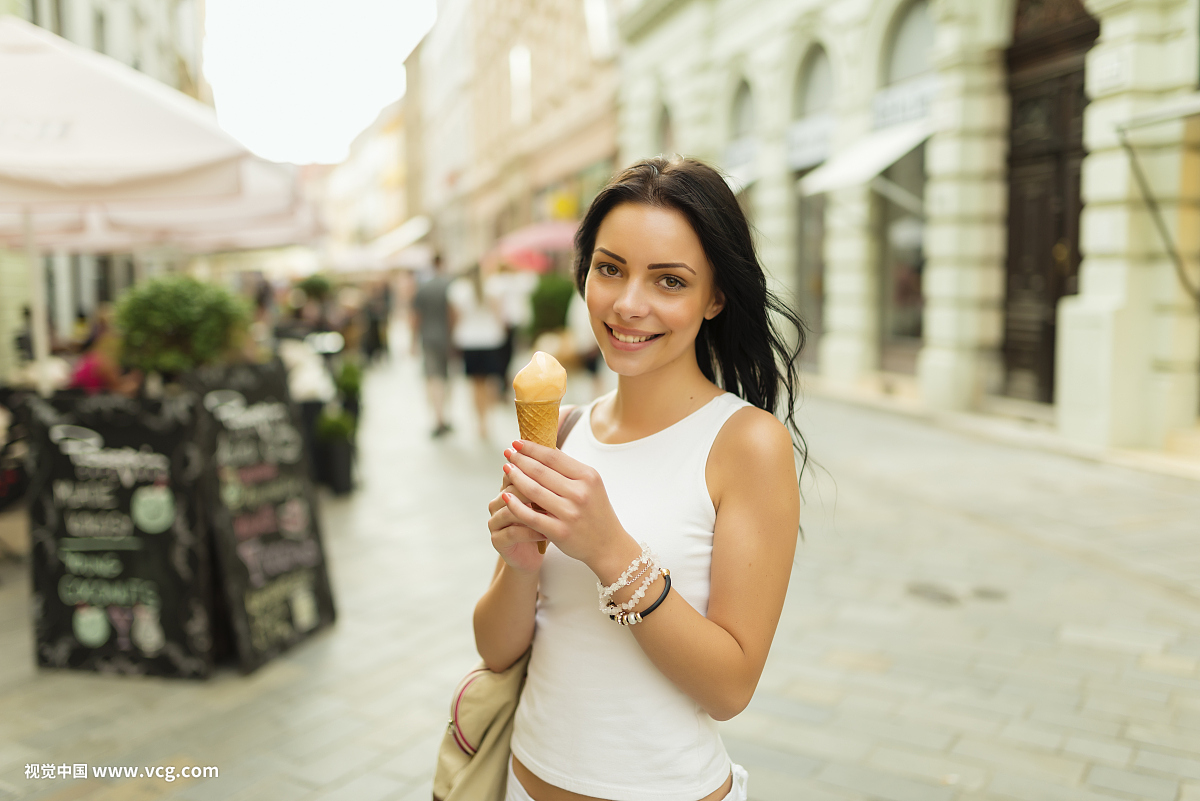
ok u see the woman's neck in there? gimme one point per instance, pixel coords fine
(646, 404)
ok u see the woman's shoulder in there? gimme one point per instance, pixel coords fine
(752, 446)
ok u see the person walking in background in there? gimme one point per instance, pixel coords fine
(431, 326)
(515, 289)
(478, 332)
(583, 342)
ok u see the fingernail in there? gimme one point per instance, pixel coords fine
(507, 468)
(517, 444)
(508, 454)
(506, 497)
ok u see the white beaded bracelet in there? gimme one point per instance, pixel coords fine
(612, 609)
(627, 576)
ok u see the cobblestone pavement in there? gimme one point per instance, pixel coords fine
(966, 620)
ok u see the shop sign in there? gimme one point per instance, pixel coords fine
(808, 140)
(904, 102)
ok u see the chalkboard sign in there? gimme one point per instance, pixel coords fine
(121, 570)
(262, 510)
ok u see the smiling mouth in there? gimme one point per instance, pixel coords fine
(630, 340)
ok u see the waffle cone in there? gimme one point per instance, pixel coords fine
(538, 422)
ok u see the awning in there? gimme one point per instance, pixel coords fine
(1175, 109)
(866, 158)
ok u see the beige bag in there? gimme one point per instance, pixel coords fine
(472, 761)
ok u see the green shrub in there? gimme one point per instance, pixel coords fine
(175, 323)
(550, 300)
(335, 425)
(316, 286)
(349, 380)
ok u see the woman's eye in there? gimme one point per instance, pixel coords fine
(607, 269)
(671, 282)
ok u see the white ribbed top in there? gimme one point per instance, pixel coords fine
(596, 717)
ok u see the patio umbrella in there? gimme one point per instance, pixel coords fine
(78, 128)
(527, 248)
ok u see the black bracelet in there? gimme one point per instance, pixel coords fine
(632, 618)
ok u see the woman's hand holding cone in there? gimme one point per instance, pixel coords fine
(578, 516)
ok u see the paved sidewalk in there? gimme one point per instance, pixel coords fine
(966, 620)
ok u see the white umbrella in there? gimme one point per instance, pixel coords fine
(78, 128)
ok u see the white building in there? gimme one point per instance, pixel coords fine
(941, 186)
(163, 39)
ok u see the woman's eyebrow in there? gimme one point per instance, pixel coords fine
(610, 253)
(670, 265)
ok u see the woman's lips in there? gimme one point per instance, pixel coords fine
(629, 346)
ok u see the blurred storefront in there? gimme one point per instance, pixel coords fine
(518, 121)
(940, 187)
(161, 38)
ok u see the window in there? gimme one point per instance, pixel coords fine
(520, 75)
(912, 45)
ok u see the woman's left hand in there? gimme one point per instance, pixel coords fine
(579, 517)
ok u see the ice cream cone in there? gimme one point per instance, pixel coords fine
(538, 421)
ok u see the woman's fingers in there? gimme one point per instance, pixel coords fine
(533, 491)
(552, 458)
(525, 516)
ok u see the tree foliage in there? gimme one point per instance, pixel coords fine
(175, 323)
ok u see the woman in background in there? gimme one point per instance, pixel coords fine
(479, 334)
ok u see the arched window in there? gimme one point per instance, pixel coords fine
(911, 53)
(740, 151)
(743, 113)
(666, 133)
(814, 88)
(812, 112)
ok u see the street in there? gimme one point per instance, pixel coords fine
(966, 620)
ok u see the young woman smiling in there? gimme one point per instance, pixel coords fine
(683, 467)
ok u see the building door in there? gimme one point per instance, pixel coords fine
(1051, 39)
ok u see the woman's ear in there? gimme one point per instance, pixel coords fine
(715, 305)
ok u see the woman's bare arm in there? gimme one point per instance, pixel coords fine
(504, 617)
(716, 660)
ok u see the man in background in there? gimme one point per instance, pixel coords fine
(432, 323)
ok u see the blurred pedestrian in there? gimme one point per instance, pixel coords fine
(98, 368)
(622, 701)
(479, 334)
(583, 343)
(431, 327)
(515, 289)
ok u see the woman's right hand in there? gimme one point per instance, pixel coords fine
(516, 544)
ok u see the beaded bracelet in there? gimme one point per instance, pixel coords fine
(650, 569)
(611, 608)
(626, 577)
(633, 618)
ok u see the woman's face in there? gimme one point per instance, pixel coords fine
(648, 289)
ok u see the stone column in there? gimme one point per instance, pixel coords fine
(1127, 350)
(849, 349)
(966, 206)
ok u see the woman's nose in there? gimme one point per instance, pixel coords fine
(631, 303)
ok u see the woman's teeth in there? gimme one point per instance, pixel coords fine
(631, 340)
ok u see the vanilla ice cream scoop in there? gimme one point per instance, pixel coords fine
(542, 380)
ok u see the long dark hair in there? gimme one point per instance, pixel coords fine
(743, 349)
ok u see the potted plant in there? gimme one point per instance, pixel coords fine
(349, 387)
(335, 436)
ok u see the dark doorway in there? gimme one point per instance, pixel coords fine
(1051, 39)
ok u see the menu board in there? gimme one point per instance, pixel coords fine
(261, 507)
(121, 570)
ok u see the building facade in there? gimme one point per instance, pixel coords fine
(162, 38)
(941, 188)
(517, 116)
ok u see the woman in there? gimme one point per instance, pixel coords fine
(705, 477)
(479, 334)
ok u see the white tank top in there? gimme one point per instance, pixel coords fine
(596, 716)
